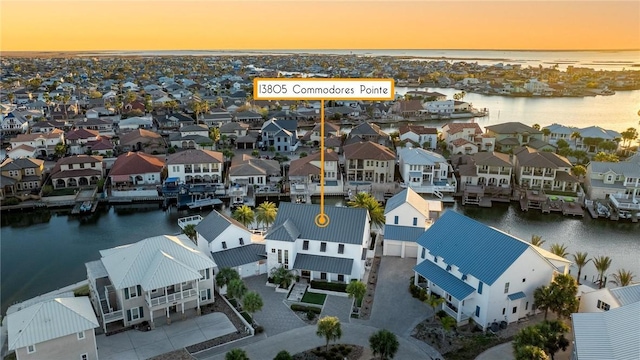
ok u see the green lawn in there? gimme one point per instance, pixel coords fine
(313, 298)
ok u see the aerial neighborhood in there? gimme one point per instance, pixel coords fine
(251, 260)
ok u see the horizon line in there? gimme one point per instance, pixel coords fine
(336, 49)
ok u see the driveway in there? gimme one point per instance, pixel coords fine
(140, 345)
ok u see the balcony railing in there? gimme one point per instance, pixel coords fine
(625, 203)
(195, 220)
(171, 298)
(113, 316)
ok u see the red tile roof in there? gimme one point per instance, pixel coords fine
(368, 151)
(136, 163)
(458, 127)
(81, 134)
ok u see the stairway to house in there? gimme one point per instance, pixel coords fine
(297, 292)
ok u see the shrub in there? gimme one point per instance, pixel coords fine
(81, 291)
(283, 355)
(11, 201)
(259, 329)
(313, 309)
(324, 285)
(247, 317)
(310, 315)
(441, 314)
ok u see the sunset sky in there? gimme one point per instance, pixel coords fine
(80, 25)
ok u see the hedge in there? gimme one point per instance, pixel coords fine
(313, 309)
(324, 285)
(247, 317)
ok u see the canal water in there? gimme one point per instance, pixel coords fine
(43, 251)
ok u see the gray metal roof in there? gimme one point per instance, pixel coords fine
(297, 221)
(444, 279)
(407, 195)
(627, 294)
(473, 247)
(239, 256)
(328, 264)
(629, 168)
(611, 335)
(516, 296)
(402, 233)
(215, 224)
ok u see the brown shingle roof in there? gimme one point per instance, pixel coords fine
(411, 105)
(134, 136)
(136, 163)
(303, 166)
(368, 151)
(195, 157)
(81, 134)
(55, 133)
(417, 129)
(530, 157)
(492, 159)
(458, 127)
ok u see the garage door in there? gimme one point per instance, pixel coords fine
(411, 250)
(392, 248)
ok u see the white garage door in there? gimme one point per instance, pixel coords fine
(392, 248)
(411, 250)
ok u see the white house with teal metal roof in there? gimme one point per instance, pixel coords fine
(407, 216)
(484, 274)
(605, 299)
(335, 253)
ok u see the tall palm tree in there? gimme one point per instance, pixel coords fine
(536, 240)
(602, 264)
(225, 275)
(580, 259)
(560, 250)
(266, 213)
(244, 215)
(236, 289)
(236, 354)
(367, 201)
(190, 231)
(356, 289)
(543, 299)
(384, 343)
(330, 329)
(252, 302)
(434, 302)
(575, 136)
(622, 277)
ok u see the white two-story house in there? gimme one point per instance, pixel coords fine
(149, 279)
(482, 273)
(426, 172)
(407, 215)
(196, 166)
(543, 170)
(619, 180)
(44, 143)
(334, 253)
(606, 299)
(466, 138)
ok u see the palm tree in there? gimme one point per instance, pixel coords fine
(367, 201)
(225, 275)
(530, 352)
(536, 240)
(543, 299)
(252, 302)
(236, 289)
(214, 135)
(282, 276)
(448, 323)
(190, 231)
(236, 354)
(580, 259)
(244, 215)
(356, 289)
(266, 213)
(560, 250)
(575, 136)
(283, 355)
(384, 343)
(622, 277)
(330, 329)
(602, 264)
(434, 302)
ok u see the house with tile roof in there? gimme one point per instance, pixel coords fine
(420, 135)
(484, 175)
(44, 143)
(615, 180)
(196, 166)
(59, 328)
(22, 151)
(77, 171)
(369, 162)
(607, 335)
(136, 168)
(142, 140)
(606, 299)
(334, 253)
(367, 131)
(330, 130)
(77, 140)
(304, 175)
(407, 216)
(457, 136)
(231, 245)
(543, 170)
(511, 135)
(426, 172)
(482, 273)
(149, 279)
(20, 175)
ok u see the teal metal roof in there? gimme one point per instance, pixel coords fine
(516, 296)
(475, 248)
(297, 221)
(402, 233)
(328, 264)
(445, 280)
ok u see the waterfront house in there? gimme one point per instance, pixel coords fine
(20, 176)
(420, 135)
(231, 245)
(149, 279)
(620, 182)
(407, 215)
(280, 134)
(304, 175)
(607, 335)
(492, 280)
(196, 166)
(246, 170)
(512, 134)
(543, 170)
(426, 172)
(334, 253)
(444, 107)
(458, 136)
(59, 328)
(143, 140)
(484, 175)
(370, 132)
(606, 299)
(369, 162)
(136, 168)
(586, 139)
(407, 108)
(44, 143)
(77, 171)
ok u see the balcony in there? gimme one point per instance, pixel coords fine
(624, 202)
(189, 220)
(183, 296)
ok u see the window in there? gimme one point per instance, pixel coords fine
(504, 310)
(205, 294)
(241, 241)
(31, 349)
(323, 276)
(415, 221)
(305, 245)
(448, 267)
(341, 278)
(273, 251)
(479, 287)
(435, 259)
(81, 166)
(603, 305)
(323, 247)
(81, 335)
(423, 253)
(279, 256)
(526, 306)
(132, 292)
(135, 313)
(395, 220)
(464, 277)
(514, 310)
(477, 311)
(204, 274)
(84, 357)
(340, 248)
(506, 288)
(224, 244)
(524, 279)
(286, 259)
